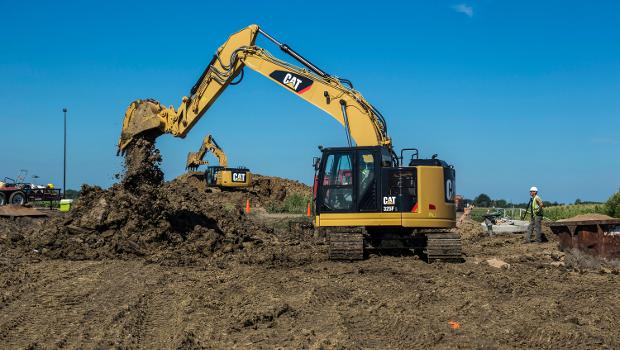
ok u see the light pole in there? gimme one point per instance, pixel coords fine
(64, 171)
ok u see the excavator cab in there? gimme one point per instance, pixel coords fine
(371, 182)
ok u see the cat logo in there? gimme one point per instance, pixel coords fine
(292, 81)
(389, 203)
(238, 177)
(449, 189)
(389, 200)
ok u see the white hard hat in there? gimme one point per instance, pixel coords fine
(534, 189)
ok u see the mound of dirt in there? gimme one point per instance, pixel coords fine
(277, 188)
(143, 216)
(585, 217)
(582, 262)
(266, 192)
(469, 230)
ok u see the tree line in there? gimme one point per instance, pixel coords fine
(485, 201)
(611, 207)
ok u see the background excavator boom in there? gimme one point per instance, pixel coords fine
(195, 159)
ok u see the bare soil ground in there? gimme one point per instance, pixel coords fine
(183, 268)
(294, 298)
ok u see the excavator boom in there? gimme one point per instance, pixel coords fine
(195, 159)
(363, 124)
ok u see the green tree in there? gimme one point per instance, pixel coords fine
(612, 207)
(501, 203)
(72, 194)
(482, 200)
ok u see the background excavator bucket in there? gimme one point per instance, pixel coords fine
(193, 161)
(141, 117)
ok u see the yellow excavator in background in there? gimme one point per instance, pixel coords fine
(365, 194)
(221, 175)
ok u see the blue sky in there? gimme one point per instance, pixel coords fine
(514, 94)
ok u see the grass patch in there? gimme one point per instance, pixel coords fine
(293, 204)
(552, 213)
(45, 204)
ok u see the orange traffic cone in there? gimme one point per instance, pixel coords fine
(309, 210)
(247, 206)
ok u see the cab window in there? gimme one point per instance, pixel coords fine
(367, 183)
(338, 183)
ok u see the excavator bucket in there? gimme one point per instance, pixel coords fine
(193, 161)
(141, 117)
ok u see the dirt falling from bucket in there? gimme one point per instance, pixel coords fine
(142, 161)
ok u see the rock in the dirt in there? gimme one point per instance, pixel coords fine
(497, 263)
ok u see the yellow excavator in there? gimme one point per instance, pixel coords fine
(221, 175)
(366, 196)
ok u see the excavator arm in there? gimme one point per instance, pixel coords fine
(363, 123)
(195, 159)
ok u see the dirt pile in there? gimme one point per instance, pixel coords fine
(277, 189)
(12, 232)
(267, 193)
(579, 261)
(470, 230)
(143, 216)
(585, 217)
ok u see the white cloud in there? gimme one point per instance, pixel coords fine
(464, 9)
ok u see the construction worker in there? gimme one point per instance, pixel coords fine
(488, 221)
(535, 208)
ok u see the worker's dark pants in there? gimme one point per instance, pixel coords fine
(535, 223)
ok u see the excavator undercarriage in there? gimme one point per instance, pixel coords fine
(354, 243)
